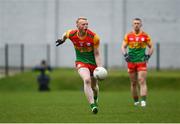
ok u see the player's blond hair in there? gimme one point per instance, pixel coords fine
(80, 18)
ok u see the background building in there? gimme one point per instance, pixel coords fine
(36, 23)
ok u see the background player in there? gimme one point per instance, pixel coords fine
(137, 40)
(86, 44)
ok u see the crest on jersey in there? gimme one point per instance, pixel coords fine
(81, 44)
(88, 44)
(142, 39)
(131, 38)
(137, 38)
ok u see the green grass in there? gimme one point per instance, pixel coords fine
(71, 106)
(21, 102)
(68, 79)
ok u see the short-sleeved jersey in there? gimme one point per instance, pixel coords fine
(137, 44)
(84, 46)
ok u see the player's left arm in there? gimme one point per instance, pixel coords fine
(150, 46)
(97, 51)
(150, 50)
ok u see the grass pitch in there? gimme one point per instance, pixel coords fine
(72, 106)
(21, 102)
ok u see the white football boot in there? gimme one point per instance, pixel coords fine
(143, 103)
(136, 103)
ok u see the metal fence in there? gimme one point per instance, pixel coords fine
(18, 57)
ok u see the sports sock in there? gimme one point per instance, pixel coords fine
(93, 105)
(136, 99)
(95, 97)
(143, 98)
(95, 100)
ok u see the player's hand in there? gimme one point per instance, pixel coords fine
(127, 57)
(146, 58)
(59, 42)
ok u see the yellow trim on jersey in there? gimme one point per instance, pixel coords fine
(67, 33)
(83, 37)
(96, 41)
(126, 38)
(138, 33)
(149, 42)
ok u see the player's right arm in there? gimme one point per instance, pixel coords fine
(124, 45)
(63, 38)
(124, 49)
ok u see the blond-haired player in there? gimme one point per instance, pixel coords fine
(86, 44)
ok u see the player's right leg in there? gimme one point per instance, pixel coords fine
(134, 82)
(94, 82)
(134, 87)
(85, 75)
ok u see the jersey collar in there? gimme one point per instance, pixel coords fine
(81, 38)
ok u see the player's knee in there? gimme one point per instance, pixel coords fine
(87, 80)
(134, 83)
(142, 81)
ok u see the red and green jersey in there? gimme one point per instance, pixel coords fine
(84, 46)
(137, 44)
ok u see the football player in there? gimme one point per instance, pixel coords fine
(86, 44)
(136, 57)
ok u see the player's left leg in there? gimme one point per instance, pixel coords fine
(95, 88)
(142, 73)
(143, 86)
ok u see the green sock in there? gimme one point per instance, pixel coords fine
(95, 97)
(136, 99)
(93, 105)
(95, 100)
(143, 98)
